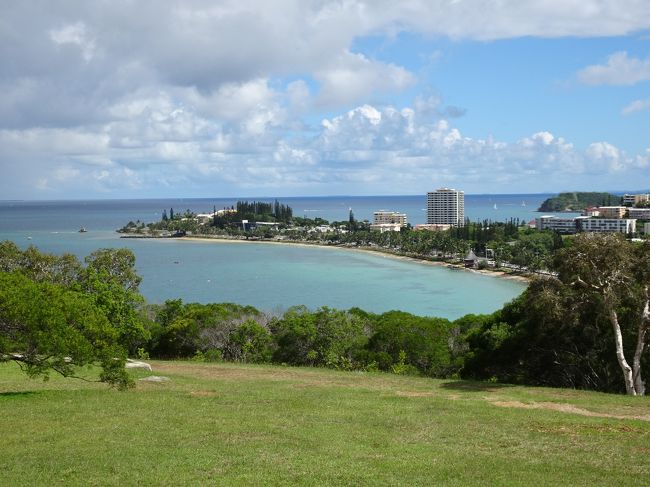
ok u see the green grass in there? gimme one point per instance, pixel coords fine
(231, 424)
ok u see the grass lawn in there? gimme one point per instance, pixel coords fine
(225, 424)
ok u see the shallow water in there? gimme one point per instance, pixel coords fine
(268, 276)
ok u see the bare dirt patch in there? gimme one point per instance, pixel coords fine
(203, 393)
(565, 408)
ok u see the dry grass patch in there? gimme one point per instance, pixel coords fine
(566, 408)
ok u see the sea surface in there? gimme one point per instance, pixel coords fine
(274, 277)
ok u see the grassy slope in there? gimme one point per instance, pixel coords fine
(236, 425)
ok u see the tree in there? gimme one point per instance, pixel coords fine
(352, 223)
(46, 326)
(108, 284)
(110, 278)
(614, 276)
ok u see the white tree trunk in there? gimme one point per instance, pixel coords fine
(620, 354)
(639, 384)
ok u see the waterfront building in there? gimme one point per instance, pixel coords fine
(559, 225)
(383, 217)
(610, 225)
(386, 227)
(612, 211)
(633, 199)
(471, 260)
(586, 224)
(446, 206)
(640, 213)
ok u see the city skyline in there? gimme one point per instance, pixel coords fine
(297, 98)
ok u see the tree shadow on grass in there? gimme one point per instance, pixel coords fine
(474, 386)
(17, 394)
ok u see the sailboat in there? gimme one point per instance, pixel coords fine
(495, 206)
(523, 203)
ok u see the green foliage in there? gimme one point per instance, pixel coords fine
(578, 201)
(180, 330)
(559, 331)
(46, 326)
(250, 343)
(424, 341)
(107, 283)
(110, 277)
(326, 337)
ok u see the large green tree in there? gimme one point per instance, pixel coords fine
(46, 326)
(106, 286)
(613, 275)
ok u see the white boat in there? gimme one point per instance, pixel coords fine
(495, 206)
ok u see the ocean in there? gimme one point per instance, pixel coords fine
(274, 277)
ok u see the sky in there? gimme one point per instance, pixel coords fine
(126, 99)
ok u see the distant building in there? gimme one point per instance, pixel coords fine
(633, 199)
(646, 228)
(383, 217)
(591, 211)
(435, 227)
(612, 211)
(640, 213)
(471, 260)
(559, 225)
(610, 225)
(386, 227)
(586, 224)
(446, 206)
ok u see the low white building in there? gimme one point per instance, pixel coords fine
(586, 224)
(383, 217)
(640, 213)
(610, 225)
(386, 227)
(559, 225)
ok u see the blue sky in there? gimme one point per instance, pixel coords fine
(288, 98)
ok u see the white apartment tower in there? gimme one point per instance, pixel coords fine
(446, 206)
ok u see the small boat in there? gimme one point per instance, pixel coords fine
(495, 206)
(82, 230)
(523, 203)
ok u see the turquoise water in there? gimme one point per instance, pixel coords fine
(268, 276)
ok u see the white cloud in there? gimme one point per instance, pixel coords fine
(373, 149)
(75, 34)
(192, 95)
(352, 76)
(636, 106)
(619, 70)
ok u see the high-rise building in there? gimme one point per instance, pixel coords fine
(446, 206)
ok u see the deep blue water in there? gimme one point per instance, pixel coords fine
(112, 214)
(273, 276)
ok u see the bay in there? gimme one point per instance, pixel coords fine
(269, 276)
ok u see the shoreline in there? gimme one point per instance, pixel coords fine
(368, 250)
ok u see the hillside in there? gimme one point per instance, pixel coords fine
(225, 424)
(578, 201)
